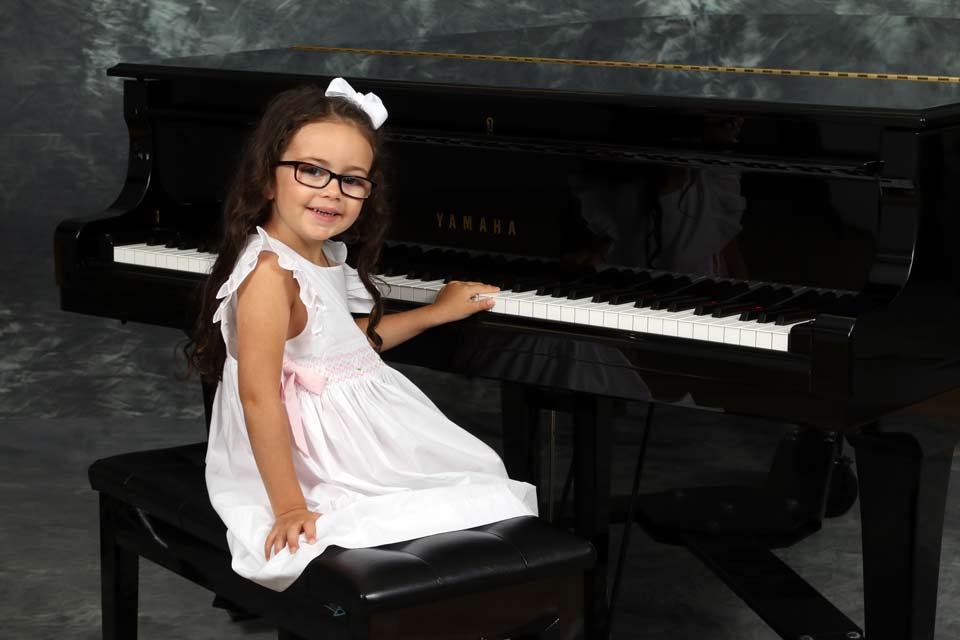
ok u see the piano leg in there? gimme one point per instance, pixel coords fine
(592, 428)
(520, 414)
(593, 425)
(904, 471)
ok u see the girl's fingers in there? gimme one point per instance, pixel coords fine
(293, 537)
(310, 530)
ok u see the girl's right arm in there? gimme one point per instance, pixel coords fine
(264, 305)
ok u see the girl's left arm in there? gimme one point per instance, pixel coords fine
(454, 302)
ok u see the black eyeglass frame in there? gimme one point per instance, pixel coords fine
(296, 164)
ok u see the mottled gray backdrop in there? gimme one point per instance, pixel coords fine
(75, 387)
(63, 140)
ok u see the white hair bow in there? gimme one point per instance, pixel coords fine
(369, 102)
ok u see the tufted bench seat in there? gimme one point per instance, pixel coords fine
(516, 578)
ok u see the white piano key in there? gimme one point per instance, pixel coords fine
(526, 305)
(553, 310)
(671, 322)
(716, 329)
(642, 316)
(499, 298)
(574, 311)
(657, 319)
(764, 340)
(426, 291)
(697, 327)
(539, 307)
(780, 340)
(511, 303)
(611, 314)
(581, 310)
(733, 332)
(167, 257)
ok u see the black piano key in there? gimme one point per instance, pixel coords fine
(157, 237)
(521, 285)
(631, 295)
(579, 293)
(725, 310)
(659, 286)
(755, 300)
(806, 300)
(713, 304)
(606, 295)
(685, 303)
(698, 293)
(612, 294)
(810, 298)
(556, 287)
(796, 315)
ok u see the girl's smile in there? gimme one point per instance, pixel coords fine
(324, 214)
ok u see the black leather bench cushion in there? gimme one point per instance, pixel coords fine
(168, 484)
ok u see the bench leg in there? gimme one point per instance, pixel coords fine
(119, 569)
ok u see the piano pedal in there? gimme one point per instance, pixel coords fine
(844, 488)
(786, 508)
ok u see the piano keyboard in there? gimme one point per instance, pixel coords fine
(162, 257)
(529, 304)
(626, 317)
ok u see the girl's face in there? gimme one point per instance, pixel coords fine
(302, 216)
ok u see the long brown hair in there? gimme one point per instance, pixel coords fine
(248, 206)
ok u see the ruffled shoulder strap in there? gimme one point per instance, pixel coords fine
(359, 299)
(289, 260)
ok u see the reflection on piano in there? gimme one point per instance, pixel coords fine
(653, 238)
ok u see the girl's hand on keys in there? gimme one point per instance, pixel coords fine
(457, 300)
(286, 530)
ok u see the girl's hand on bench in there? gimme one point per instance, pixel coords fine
(286, 530)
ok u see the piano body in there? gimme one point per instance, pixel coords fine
(766, 242)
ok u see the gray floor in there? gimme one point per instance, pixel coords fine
(75, 388)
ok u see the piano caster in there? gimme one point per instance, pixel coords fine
(843, 490)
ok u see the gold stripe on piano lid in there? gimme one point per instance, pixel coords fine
(661, 66)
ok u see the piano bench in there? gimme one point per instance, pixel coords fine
(511, 579)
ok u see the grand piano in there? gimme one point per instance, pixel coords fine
(775, 242)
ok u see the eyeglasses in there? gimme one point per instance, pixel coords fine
(311, 175)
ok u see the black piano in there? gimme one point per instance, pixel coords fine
(769, 242)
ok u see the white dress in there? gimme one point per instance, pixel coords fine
(371, 452)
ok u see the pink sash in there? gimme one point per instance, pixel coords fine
(311, 380)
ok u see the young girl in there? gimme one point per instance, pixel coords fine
(314, 441)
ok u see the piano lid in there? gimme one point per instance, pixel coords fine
(887, 65)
